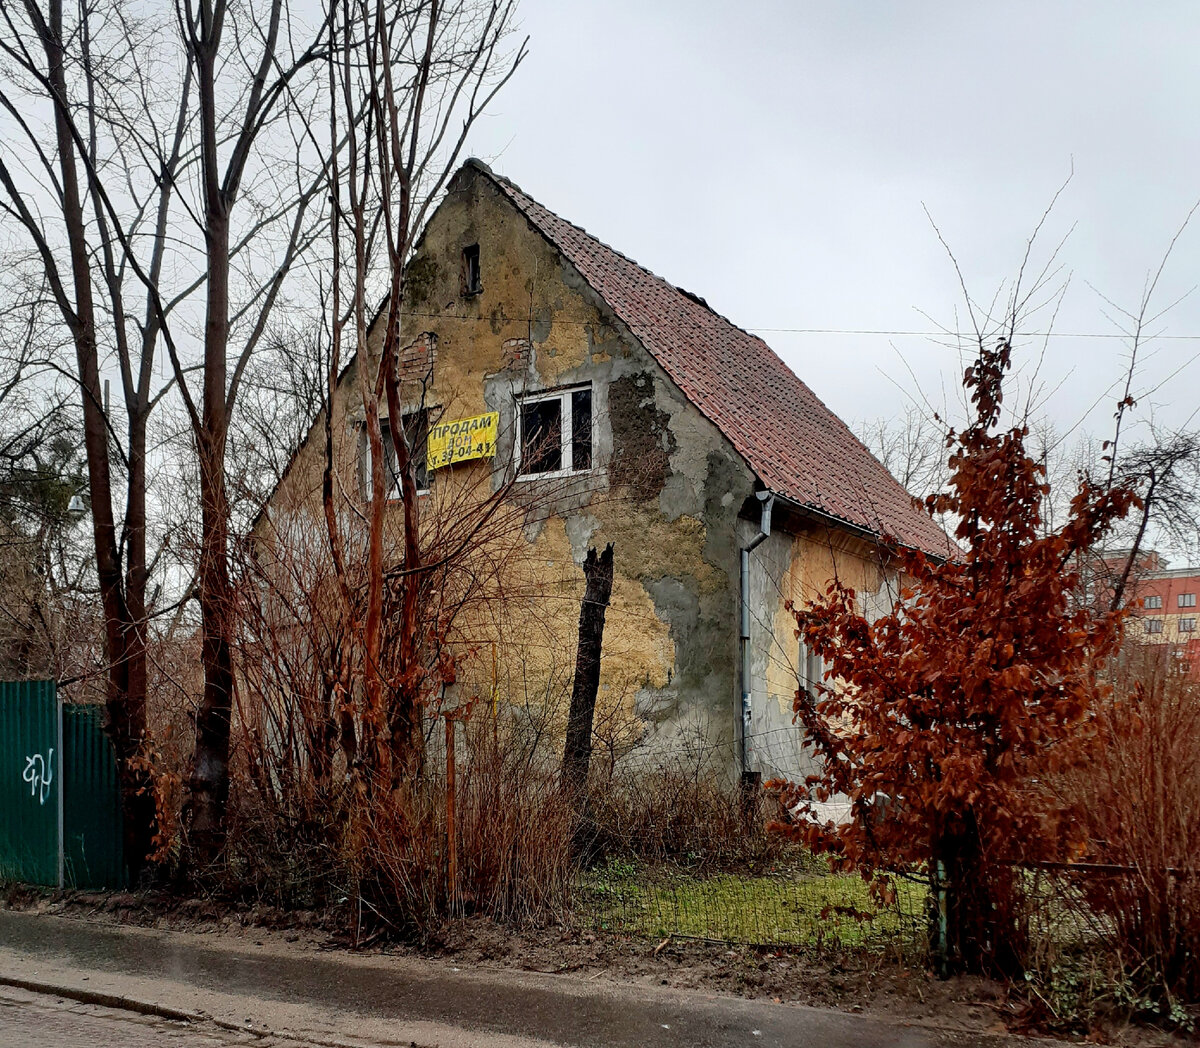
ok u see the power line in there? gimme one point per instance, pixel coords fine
(590, 321)
(967, 334)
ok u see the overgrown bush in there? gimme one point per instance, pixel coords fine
(1138, 798)
(381, 856)
(681, 807)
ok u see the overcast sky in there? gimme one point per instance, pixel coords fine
(775, 157)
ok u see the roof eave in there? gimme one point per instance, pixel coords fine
(868, 535)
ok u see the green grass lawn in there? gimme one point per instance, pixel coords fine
(801, 909)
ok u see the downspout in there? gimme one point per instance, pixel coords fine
(767, 498)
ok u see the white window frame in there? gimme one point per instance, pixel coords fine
(566, 430)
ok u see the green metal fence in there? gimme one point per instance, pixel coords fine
(30, 783)
(93, 846)
(60, 800)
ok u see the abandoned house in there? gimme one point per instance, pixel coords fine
(726, 487)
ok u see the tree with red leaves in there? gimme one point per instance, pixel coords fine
(940, 720)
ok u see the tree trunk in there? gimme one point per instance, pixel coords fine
(124, 609)
(984, 930)
(577, 756)
(405, 715)
(208, 784)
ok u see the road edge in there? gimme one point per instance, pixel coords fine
(119, 1002)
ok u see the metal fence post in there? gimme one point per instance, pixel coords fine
(451, 836)
(941, 936)
(62, 841)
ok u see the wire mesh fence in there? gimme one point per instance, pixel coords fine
(784, 906)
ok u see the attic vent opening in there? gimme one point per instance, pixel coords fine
(471, 282)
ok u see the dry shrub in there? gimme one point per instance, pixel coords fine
(382, 854)
(1139, 801)
(680, 807)
(512, 841)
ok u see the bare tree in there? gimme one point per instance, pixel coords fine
(422, 74)
(172, 201)
(912, 448)
(282, 393)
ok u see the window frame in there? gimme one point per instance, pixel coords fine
(1186, 600)
(472, 267)
(1154, 626)
(393, 492)
(564, 395)
(1187, 625)
(811, 671)
(1153, 602)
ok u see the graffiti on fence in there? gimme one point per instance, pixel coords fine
(39, 773)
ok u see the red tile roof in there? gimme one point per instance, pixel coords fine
(793, 442)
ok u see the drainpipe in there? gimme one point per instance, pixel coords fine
(767, 499)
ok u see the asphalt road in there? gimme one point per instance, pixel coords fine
(332, 998)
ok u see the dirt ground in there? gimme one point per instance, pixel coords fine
(847, 981)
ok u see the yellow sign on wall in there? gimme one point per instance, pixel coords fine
(462, 439)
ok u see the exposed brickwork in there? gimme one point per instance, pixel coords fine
(418, 359)
(516, 353)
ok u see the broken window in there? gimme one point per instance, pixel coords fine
(556, 432)
(416, 430)
(472, 282)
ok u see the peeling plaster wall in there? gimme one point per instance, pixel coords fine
(796, 563)
(666, 488)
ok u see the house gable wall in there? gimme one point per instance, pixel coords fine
(666, 489)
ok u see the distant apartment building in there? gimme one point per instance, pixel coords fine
(1165, 602)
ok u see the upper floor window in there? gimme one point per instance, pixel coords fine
(1154, 625)
(1153, 602)
(556, 432)
(1187, 600)
(1187, 625)
(416, 429)
(472, 281)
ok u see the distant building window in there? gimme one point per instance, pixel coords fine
(472, 282)
(1187, 625)
(556, 432)
(1154, 625)
(416, 429)
(1153, 602)
(1187, 600)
